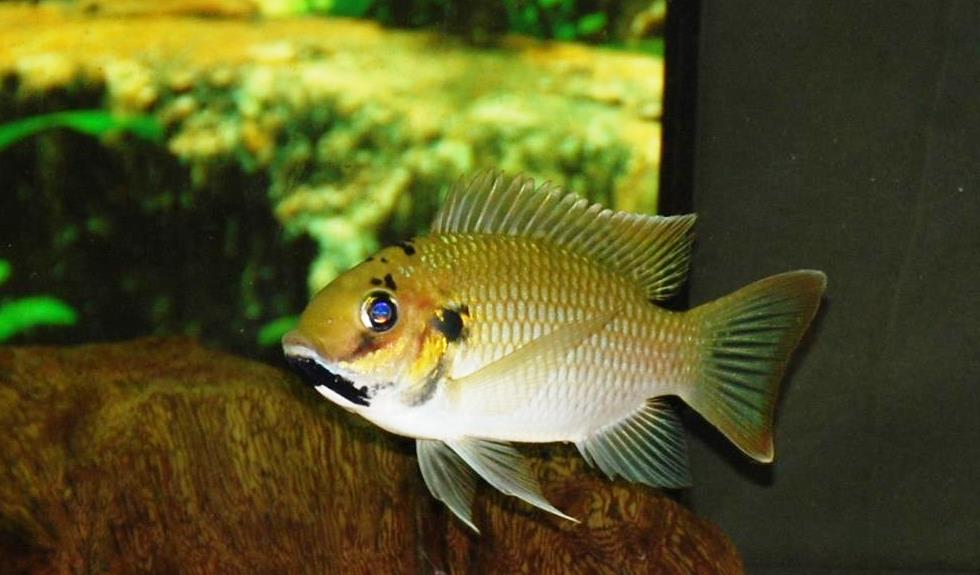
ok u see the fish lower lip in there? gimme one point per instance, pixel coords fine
(317, 375)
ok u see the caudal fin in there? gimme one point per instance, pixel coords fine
(745, 342)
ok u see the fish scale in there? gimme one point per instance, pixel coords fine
(554, 287)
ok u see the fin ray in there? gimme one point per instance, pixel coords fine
(652, 250)
(503, 467)
(747, 338)
(447, 477)
(647, 446)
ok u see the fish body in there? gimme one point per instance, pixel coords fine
(509, 292)
(527, 315)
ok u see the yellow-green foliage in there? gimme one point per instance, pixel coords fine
(22, 314)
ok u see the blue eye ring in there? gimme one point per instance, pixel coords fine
(379, 312)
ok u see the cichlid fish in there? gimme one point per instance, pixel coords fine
(528, 315)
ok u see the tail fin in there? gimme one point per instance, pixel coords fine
(746, 340)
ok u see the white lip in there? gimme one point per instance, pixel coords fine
(295, 347)
(300, 350)
(294, 344)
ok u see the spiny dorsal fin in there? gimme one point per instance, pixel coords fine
(652, 250)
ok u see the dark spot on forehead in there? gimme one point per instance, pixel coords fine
(390, 283)
(407, 247)
(384, 260)
(376, 282)
(449, 322)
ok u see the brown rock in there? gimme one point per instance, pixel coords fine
(161, 456)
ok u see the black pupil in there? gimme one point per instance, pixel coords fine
(381, 312)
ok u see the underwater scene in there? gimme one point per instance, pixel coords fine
(181, 177)
(417, 286)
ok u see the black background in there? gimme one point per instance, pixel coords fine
(842, 136)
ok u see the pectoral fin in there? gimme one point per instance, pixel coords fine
(508, 382)
(447, 477)
(503, 467)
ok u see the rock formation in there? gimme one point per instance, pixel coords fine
(162, 456)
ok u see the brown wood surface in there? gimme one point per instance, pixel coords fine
(162, 456)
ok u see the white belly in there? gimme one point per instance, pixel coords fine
(562, 410)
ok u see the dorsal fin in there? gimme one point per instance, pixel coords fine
(652, 250)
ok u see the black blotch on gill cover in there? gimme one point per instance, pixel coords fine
(317, 375)
(407, 247)
(390, 283)
(376, 281)
(428, 388)
(449, 322)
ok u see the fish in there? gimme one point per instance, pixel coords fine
(530, 315)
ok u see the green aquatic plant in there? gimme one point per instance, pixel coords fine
(271, 333)
(558, 19)
(549, 19)
(288, 7)
(25, 313)
(92, 122)
(351, 8)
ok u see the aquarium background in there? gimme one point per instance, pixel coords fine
(200, 167)
(844, 137)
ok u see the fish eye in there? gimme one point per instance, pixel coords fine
(379, 312)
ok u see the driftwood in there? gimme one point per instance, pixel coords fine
(161, 456)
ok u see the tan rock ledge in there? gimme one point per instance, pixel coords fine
(158, 455)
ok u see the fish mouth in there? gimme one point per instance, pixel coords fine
(306, 361)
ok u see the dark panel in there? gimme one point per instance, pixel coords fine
(846, 137)
(679, 117)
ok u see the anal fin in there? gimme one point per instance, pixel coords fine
(647, 447)
(503, 467)
(447, 477)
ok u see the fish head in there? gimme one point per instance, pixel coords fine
(363, 336)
